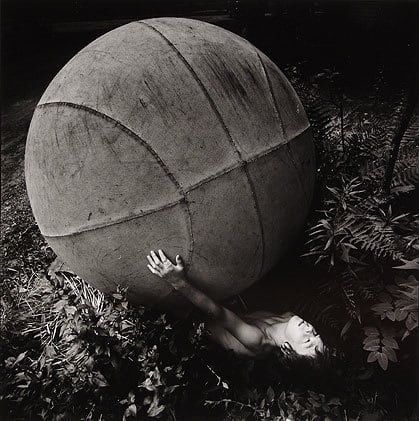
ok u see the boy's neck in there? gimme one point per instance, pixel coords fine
(276, 333)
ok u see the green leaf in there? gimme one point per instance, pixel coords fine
(400, 314)
(383, 360)
(405, 335)
(345, 253)
(371, 347)
(154, 410)
(328, 244)
(270, 394)
(131, 411)
(410, 307)
(391, 315)
(373, 356)
(382, 307)
(391, 355)
(345, 328)
(20, 357)
(408, 264)
(411, 323)
(390, 342)
(371, 341)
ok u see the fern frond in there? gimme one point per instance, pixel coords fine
(348, 292)
(406, 171)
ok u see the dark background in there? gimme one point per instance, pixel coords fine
(39, 36)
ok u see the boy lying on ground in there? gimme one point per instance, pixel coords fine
(254, 335)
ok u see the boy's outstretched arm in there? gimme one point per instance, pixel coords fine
(250, 336)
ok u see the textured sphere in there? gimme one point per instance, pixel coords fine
(175, 134)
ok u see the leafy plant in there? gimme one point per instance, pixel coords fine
(380, 346)
(398, 304)
(90, 348)
(363, 236)
(283, 405)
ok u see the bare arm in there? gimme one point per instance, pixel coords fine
(250, 336)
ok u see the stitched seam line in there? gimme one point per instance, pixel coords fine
(276, 105)
(86, 228)
(121, 126)
(135, 136)
(201, 85)
(271, 93)
(225, 128)
(140, 213)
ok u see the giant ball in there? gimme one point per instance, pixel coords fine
(176, 134)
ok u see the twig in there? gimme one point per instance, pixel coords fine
(241, 405)
(397, 139)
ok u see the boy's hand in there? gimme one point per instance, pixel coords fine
(161, 266)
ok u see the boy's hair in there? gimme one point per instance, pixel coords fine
(303, 368)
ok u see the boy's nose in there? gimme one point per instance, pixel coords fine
(309, 328)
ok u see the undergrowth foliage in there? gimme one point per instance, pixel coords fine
(365, 238)
(93, 351)
(70, 352)
(369, 250)
(91, 356)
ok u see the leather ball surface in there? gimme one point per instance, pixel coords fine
(176, 134)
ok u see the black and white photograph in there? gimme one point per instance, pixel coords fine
(209, 210)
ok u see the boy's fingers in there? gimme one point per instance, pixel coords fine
(155, 258)
(153, 270)
(151, 261)
(162, 256)
(179, 261)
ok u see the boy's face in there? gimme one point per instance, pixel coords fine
(302, 337)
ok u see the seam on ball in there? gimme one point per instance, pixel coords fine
(156, 156)
(121, 126)
(242, 163)
(119, 220)
(276, 107)
(271, 93)
(202, 86)
(140, 213)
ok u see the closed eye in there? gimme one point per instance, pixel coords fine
(288, 346)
